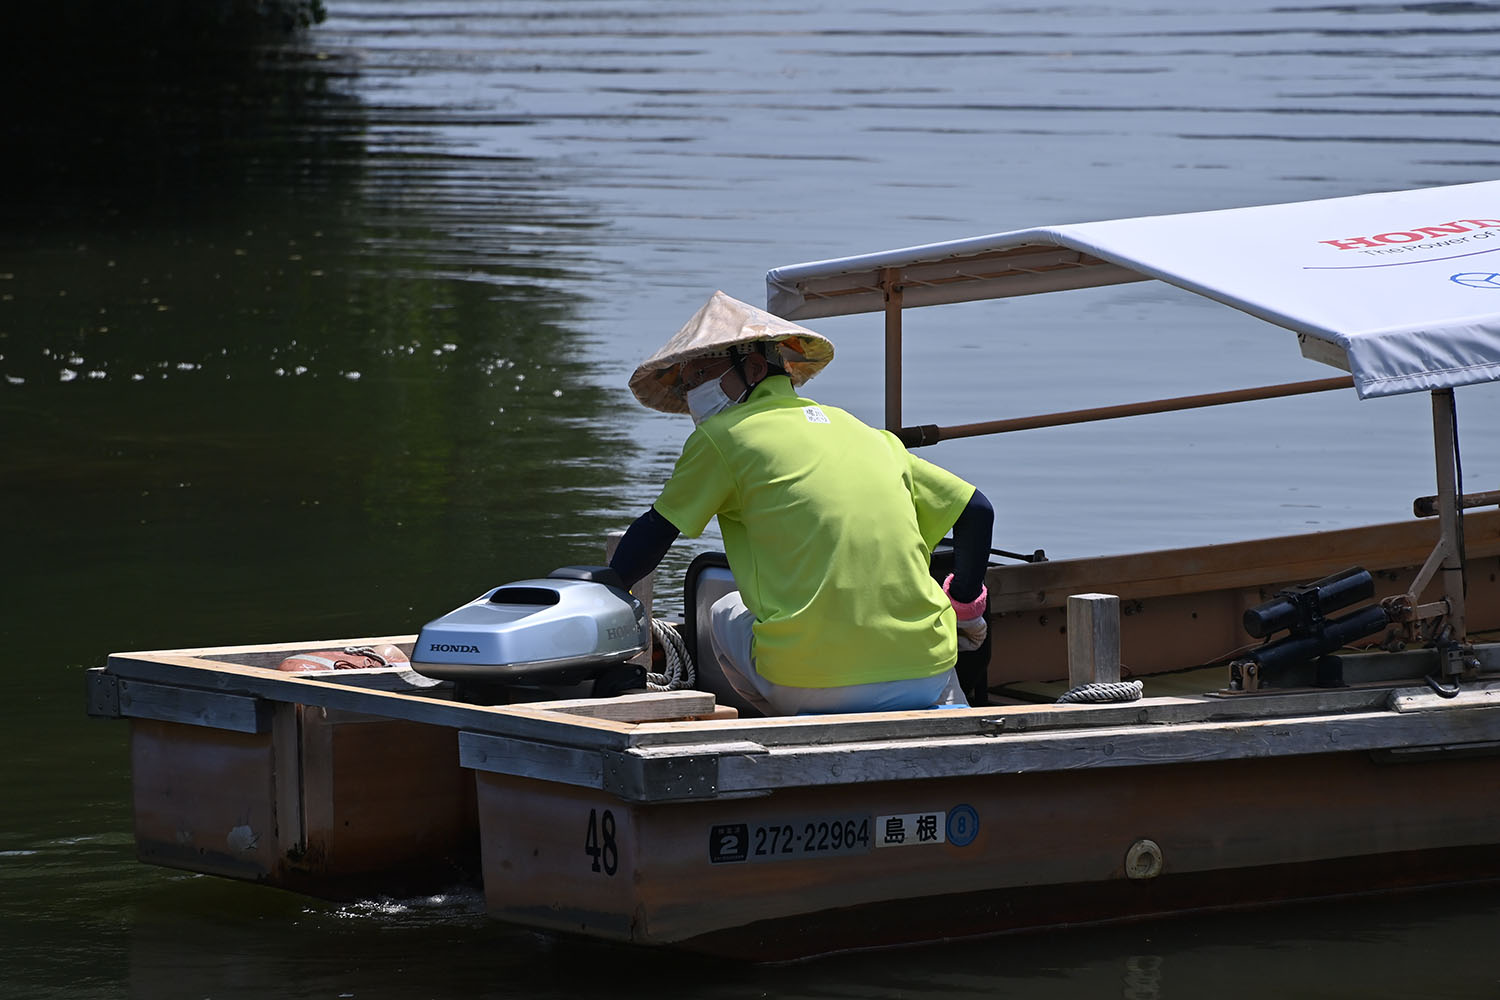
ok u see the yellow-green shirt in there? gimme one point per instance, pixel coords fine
(829, 527)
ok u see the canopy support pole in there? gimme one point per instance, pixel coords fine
(890, 280)
(1450, 530)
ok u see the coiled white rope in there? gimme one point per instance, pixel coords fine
(1103, 692)
(678, 672)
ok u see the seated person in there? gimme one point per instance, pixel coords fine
(828, 526)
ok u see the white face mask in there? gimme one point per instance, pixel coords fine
(705, 400)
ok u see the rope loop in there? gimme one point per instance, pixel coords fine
(1103, 693)
(678, 673)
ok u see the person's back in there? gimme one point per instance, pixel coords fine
(826, 537)
(827, 523)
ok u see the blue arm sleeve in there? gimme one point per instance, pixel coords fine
(971, 547)
(645, 542)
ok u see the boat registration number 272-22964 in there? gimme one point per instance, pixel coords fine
(822, 837)
(729, 842)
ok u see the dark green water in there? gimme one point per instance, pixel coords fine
(321, 338)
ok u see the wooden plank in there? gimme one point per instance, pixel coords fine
(714, 769)
(286, 779)
(653, 774)
(530, 759)
(519, 720)
(651, 706)
(204, 800)
(382, 795)
(678, 774)
(1426, 700)
(569, 853)
(1127, 746)
(1231, 565)
(834, 729)
(211, 709)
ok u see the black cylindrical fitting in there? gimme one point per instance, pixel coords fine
(1335, 632)
(1299, 608)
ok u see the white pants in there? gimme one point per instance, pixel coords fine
(731, 624)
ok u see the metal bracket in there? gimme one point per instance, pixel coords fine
(103, 693)
(634, 778)
(670, 773)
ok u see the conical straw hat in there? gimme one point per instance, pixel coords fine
(722, 323)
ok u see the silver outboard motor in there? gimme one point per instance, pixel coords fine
(578, 624)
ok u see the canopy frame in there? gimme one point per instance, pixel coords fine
(1032, 268)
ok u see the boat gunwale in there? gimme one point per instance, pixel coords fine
(536, 722)
(1235, 564)
(1411, 719)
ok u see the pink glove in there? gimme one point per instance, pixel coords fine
(972, 627)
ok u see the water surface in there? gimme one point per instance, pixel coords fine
(322, 338)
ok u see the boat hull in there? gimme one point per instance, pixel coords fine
(325, 803)
(662, 819)
(1040, 850)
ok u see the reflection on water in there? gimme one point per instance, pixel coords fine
(261, 373)
(1423, 945)
(321, 338)
(253, 390)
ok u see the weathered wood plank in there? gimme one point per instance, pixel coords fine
(382, 794)
(529, 759)
(205, 799)
(212, 709)
(1234, 564)
(286, 779)
(1426, 700)
(1100, 748)
(652, 706)
(712, 769)
(520, 720)
(833, 729)
(652, 774)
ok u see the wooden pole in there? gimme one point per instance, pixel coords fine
(1428, 506)
(1451, 531)
(931, 433)
(1093, 639)
(890, 280)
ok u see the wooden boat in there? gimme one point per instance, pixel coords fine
(1256, 768)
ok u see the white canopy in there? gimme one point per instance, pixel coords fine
(1400, 289)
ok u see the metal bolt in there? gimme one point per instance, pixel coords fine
(1143, 860)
